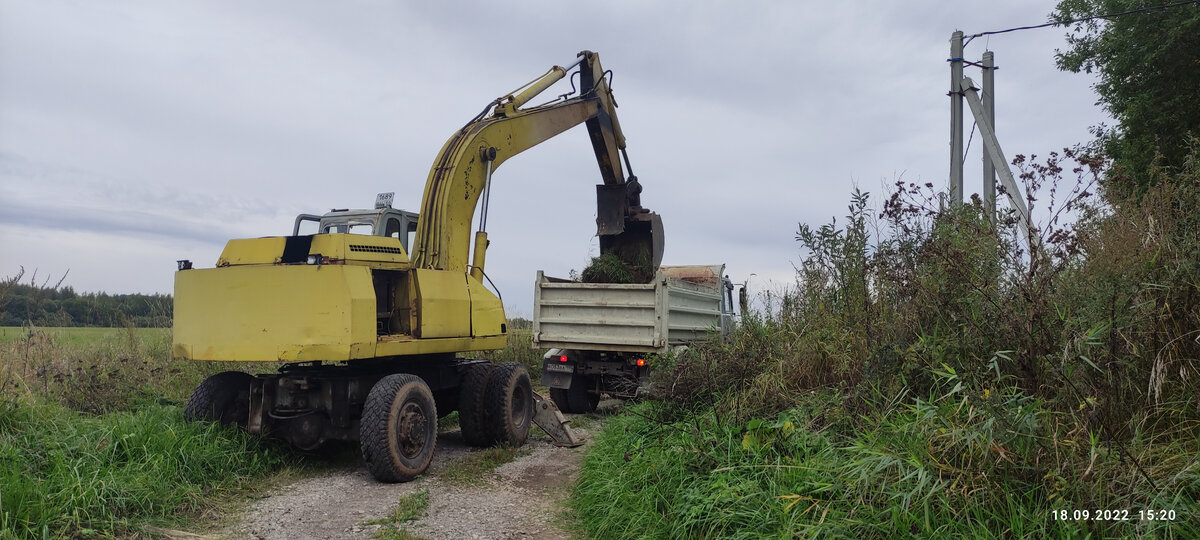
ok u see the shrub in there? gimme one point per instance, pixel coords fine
(965, 376)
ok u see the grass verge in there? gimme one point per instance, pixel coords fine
(65, 474)
(959, 465)
(93, 441)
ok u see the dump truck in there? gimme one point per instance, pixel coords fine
(375, 314)
(603, 338)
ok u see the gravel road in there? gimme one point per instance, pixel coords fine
(522, 499)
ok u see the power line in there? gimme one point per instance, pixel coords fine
(1083, 19)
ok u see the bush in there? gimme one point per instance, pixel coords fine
(1133, 305)
(944, 374)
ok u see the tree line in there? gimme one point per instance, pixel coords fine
(46, 305)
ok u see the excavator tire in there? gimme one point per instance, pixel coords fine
(398, 432)
(576, 399)
(471, 405)
(224, 398)
(509, 404)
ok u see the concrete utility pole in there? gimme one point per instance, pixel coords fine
(989, 105)
(984, 110)
(956, 118)
(991, 147)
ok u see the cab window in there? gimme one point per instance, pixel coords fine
(353, 227)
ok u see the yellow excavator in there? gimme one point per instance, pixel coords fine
(370, 327)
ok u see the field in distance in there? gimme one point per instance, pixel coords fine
(77, 335)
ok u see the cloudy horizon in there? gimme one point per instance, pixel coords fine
(135, 133)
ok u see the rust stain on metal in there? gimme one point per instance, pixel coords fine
(708, 276)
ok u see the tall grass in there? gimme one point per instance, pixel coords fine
(943, 466)
(66, 474)
(97, 372)
(519, 349)
(937, 374)
(93, 441)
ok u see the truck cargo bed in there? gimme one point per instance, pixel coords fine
(681, 305)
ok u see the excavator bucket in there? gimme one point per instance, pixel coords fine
(642, 238)
(547, 416)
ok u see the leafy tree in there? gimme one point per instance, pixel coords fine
(1149, 67)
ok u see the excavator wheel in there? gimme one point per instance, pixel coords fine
(398, 432)
(224, 398)
(471, 404)
(577, 399)
(509, 404)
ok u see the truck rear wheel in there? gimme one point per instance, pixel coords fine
(509, 400)
(471, 404)
(224, 398)
(577, 399)
(398, 431)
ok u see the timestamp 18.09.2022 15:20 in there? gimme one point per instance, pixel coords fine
(1114, 515)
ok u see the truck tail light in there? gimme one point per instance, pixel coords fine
(641, 362)
(562, 358)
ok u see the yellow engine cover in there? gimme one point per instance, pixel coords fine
(266, 313)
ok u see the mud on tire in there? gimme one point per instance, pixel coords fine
(398, 431)
(509, 404)
(224, 398)
(471, 404)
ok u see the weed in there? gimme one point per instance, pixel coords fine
(957, 464)
(931, 374)
(67, 473)
(448, 422)
(519, 348)
(410, 507)
(99, 370)
(93, 440)
(477, 465)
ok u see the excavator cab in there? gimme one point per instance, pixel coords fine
(383, 220)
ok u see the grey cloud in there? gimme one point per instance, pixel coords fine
(205, 121)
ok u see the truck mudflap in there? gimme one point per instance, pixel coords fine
(547, 416)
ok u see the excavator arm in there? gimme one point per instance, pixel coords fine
(462, 172)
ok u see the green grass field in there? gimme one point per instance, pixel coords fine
(79, 335)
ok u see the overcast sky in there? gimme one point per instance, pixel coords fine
(135, 133)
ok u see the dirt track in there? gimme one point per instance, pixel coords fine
(522, 499)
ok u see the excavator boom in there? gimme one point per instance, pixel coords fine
(462, 170)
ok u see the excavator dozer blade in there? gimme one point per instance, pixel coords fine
(643, 237)
(547, 416)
